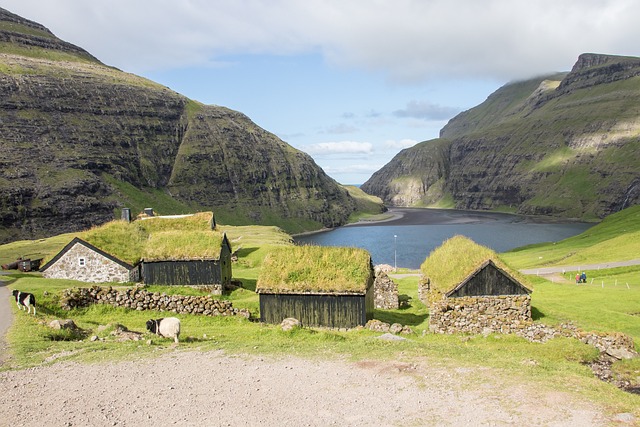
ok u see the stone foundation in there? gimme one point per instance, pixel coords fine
(484, 314)
(139, 299)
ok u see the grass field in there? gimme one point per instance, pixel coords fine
(560, 363)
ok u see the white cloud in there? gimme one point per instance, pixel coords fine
(426, 111)
(342, 147)
(355, 169)
(401, 144)
(405, 40)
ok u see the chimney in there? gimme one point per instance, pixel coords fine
(126, 214)
(149, 211)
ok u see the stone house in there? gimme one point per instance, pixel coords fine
(468, 289)
(80, 260)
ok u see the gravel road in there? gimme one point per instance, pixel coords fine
(190, 388)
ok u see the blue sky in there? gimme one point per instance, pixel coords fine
(351, 82)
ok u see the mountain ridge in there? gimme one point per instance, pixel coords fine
(564, 145)
(82, 140)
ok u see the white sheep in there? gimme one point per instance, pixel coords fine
(168, 327)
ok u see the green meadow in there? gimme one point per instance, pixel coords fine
(609, 302)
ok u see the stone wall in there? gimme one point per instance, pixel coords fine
(386, 292)
(140, 299)
(484, 314)
(83, 264)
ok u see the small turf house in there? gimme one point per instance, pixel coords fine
(320, 286)
(468, 289)
(175, 250)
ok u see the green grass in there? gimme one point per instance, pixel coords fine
(614, 239)
(557, 364)
(315, 269)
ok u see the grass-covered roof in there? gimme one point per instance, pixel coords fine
(315, 269)
(158, 238)
(456, 259)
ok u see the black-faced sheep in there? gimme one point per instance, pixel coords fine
(168, 327)
(25, 301)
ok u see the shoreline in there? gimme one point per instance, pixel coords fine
(400, 216)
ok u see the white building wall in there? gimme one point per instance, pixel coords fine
(83, 264)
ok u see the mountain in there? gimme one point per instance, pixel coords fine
(563, 145)
(80, 140)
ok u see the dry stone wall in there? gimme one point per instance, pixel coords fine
(386, 292)
(504, 314)
(140, 299)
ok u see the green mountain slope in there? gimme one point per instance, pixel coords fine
(563, 145)
(80, 140)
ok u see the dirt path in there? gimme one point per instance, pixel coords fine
(6, 317)
(543, 271)
(190, 388)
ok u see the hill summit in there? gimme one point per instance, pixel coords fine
(80, 140)
(564, 144)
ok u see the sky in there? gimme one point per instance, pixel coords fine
(350, 82)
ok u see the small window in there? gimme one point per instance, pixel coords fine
(82, 262)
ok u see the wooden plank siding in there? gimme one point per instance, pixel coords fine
(192, 272)
(324, 310)
(488, 280)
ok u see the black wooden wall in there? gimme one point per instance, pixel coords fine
(333, 311)
(489, 281)
(194, 272)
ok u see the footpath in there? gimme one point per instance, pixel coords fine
(6, 317)
(542, 271)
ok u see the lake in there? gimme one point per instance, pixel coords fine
(407, 240)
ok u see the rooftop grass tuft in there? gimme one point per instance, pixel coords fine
(315, 269)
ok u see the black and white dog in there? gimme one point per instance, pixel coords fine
(25, 301)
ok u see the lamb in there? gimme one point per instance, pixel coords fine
(168, 327)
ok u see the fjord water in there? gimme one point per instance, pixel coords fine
(407, 240)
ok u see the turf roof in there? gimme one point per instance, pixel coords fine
(456, 259)
(158, 238)
(315, 269)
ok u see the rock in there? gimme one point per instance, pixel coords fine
(63, 324)
(396, 328)
(621, 353)
(289, 323)
(391, 337)
(625, 417)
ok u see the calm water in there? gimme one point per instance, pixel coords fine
(407, 241)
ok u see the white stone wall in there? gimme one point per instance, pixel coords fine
(95, 269)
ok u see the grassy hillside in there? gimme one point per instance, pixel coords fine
(616, 238)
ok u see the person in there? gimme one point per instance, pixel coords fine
(577, 277)
(583, 277)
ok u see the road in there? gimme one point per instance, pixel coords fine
(542, 271)
(6, 317)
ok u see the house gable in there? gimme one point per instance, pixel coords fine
(488, 280)
(80, 260)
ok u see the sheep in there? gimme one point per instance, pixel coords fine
(168, 327)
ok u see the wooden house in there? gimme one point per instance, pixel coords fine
(468, 289)
(176, 250)
(188, 266)
(80, 260)
(320, 286)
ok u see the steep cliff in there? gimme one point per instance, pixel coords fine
(563, 145)
(81, 140)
